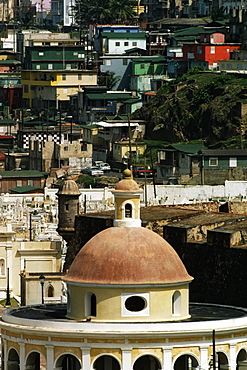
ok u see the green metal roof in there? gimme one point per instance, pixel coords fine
(28, 173)
(124, 35)
(110, 96)
(189, 31)
(154, 59)
(186, 148)
(9, 62)
(25, 189)
(90, 127)
(132, 100)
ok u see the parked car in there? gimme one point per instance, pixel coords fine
(104, 167)
(140, 172)
(92, 171)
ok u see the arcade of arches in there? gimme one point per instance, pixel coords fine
(36, 361)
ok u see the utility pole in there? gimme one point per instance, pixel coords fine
(130, 148)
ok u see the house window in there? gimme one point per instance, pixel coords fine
(41, 53)
(117, 43)
(232, 162)
(37, 66)
(134, 43)
(108, 62)
(212, 49)
(25, 88)
(30, 182)
(213, 161)
(125, 62)
(81, 56)
(50, 66)
(176, 303)
(65, 90)
(64, 77)
(19, 182)
(142, 66)
(66, 207)
(126, 43)
(199, 49)
(68, 66)
(75, 53)
(79, 77)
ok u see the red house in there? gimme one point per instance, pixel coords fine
(211, 49)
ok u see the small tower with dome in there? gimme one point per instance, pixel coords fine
(127, 202)
(68, 207)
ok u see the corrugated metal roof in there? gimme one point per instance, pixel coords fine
(110, 96)
(224, 152)
(28, 173)
(124, 35)
(25, 189)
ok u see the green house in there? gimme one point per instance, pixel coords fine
(55, 57)
(146, 70)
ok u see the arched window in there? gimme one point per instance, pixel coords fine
(106, 362)
(2, 267)
(50, 291)
(186, 362)
(13, 359)
(128, 210)
(147, 362)
(93, 305)
(90, 304)
(68, 362)
(176, 303)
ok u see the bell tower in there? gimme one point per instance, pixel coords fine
(127, 202)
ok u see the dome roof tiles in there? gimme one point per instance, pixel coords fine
(127, 256)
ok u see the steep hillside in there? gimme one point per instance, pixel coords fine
(202, 105)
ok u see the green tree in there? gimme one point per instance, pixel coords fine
(93, 11)
(218, 14)
(103, 11)
(108, 79)
(122, 10)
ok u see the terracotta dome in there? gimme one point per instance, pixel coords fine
(125, 255)
(127, 183)
(69, 187)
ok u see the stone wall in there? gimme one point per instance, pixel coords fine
(220, 274)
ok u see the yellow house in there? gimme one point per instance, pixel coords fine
(46, 89)
(121, 150)
(90, 135)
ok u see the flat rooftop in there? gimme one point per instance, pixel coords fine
(198, 312)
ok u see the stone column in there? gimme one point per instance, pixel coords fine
(167, 358)
(232, 360)
(204, 357)
(85, 358)
(49, 357)
(126, 359)
(22, 356)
